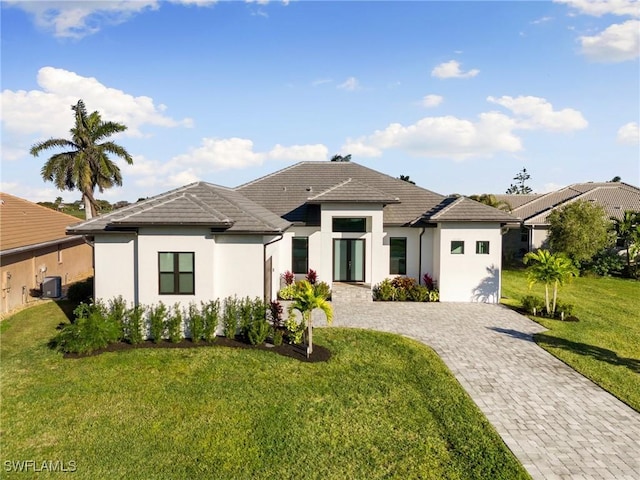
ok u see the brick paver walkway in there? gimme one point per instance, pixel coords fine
(558, 423)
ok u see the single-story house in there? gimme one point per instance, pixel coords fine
(34, 245)
(347, 222)
(534, 210)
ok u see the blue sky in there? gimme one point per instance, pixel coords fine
(458, 95)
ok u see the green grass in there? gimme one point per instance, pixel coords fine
(605, 344)
(383, 407)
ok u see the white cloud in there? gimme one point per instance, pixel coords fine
(47, 112)
(550, 187)
(448, 137)
(430, 101)
(541, 20)
(598, 8)
(617, 43)
(33, 194)
(460, 139)
(629, 134)
(232, 153)
(350, 84)
(535, 112)
(451, 69)
(74, 19)
(299, 153)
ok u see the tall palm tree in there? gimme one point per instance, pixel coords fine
(86, 164)
(625, 229)
(550, 269)
(492, 201)
(306, 300)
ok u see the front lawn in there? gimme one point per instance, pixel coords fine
(605, 344)
(383, 407)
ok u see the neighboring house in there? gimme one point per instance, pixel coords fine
(348, 222)
(534, 210)
(34, 245)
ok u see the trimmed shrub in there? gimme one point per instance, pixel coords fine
(258, 332)
(434, 296)
(91, 331)
(173, 324)
(230, 316)
(419, 293)
(287, 293)
(295, 330)
(195, 323)
(322, 289)
(134, 321)
(157, 315)
(277, 337)
(566, 308)
(384, 291)
(211, 318)
(403, 283)
(81, 292)
(532, 303)
(116, 312)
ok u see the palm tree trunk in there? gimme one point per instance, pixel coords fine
(88, 209)
(555, 296)
(546, 297)
(310, 337)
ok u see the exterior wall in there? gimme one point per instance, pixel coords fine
(115, 266)
(539, 236)
(416, 266)
(224, 265)
(237, 266)
(470, 277)
(21, 272)
(374, 272)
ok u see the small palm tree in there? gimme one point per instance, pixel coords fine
(306, 300)
(86, 165)
(492, 201)
(550, 269)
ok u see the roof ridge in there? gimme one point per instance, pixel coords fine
(448, 207)
(337, 185)
(245, 211)
(264, 177)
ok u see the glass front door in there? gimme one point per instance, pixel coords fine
(348, 260)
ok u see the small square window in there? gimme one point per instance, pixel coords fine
(482, 247)
(176, 273)
(457, 247)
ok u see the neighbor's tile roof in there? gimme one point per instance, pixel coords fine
(23, 223)
(197, 204)
(463, 209)
(517, 200)
(353, 191)
(286, 191)
(615, 197)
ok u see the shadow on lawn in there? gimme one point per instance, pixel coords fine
(598, 353)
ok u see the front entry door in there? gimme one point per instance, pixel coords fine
(348, 260)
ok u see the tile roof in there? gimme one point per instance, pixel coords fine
(517, 200)
(353, 191)
(23, 223)
(463, 209)
(196, 204)
(615, 197)
(286, 191)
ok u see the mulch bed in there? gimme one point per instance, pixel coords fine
(297, 352)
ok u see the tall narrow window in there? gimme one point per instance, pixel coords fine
(176, 273)
(300, 255)
(482, 247)
(457, 247)
(398, 256)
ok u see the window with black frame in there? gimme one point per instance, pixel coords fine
(176, 273)
(398, 256)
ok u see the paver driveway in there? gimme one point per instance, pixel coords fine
(558, 423)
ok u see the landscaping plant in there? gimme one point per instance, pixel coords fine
(230, 314)
(157, 315)
(196, 323)
(91, 330)
(173, 324)
(306, 301)
(134, 323)
(211, 318)
(550, 269)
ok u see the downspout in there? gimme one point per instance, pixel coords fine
(420, 256)
(264, 264)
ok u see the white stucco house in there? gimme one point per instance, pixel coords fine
(347, 222)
